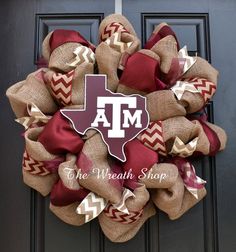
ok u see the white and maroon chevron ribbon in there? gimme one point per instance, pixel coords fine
(92, 205)
(206, 88)
(35, 116)
(115, 42)
(123, 218)
(181, 149)
(187, 172)
(82, 54)
(61, 87)
(111, 29)
(194, 85)
(189, 60)
(33, 166)
(152, 137)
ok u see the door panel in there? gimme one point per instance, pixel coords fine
(207, 28)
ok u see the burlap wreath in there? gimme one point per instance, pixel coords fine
(177, 88)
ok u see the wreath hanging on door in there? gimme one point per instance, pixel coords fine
(177, 87)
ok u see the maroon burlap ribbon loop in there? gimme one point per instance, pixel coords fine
(155, 37)
(212, 137)
(187, 173)
(58, 137)
(142, 73)
(60, 37)
(63, 196)
(121, 217)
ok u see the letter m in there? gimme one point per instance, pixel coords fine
(130, 119)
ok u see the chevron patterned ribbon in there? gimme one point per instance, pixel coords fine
(187, 172)
(33, 166)
(195, 85)
(82, 54)
(206, 88)
(123, 218)
(189, 60)
(152, 137)
(115, 42)
(61, 87)
(111, 29)
(92, 205)
(181, 149)
(35, 116)
(181, 86)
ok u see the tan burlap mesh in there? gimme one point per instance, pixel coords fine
(95, 152)
(34, 90)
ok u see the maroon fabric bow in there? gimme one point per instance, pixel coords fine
(58, 137)
(60, 37)
(142, 73)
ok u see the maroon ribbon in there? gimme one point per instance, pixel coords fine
(155, 37)
(63, 196)
(60, 37)
(58, 137)
(138, 157)
(142, 73)
(175, 72)
(214, 141)
(52, 165)
(212, 137)
(187, 172)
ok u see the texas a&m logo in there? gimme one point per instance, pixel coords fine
(118, 118)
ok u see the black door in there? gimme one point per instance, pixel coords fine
(208, 28)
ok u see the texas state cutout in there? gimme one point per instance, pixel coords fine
(118, 118)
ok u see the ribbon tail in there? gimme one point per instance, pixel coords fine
(189, 60)
(91, 206)
(181, 86)
(181, 149)
(121, 205)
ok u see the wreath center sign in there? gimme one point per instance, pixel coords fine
(118, 118)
